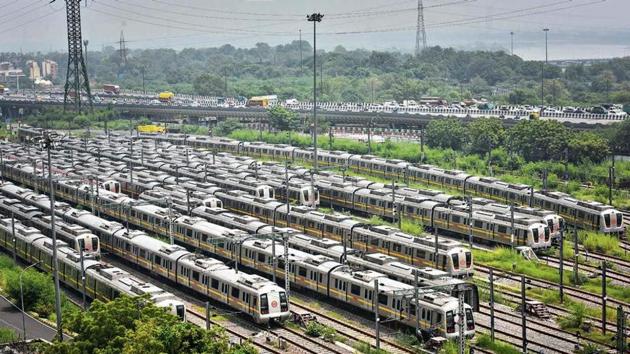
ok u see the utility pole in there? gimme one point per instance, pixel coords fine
(542, 76)
(470, 221)
(512, 225)
(576, 253)
(315, 17)
(461, 340)
(144, 91)
(604, 298)
(420, 29)
(301, 57)
(287, 282)
(376, 316)
(48, 142)
(421, 145)
(511, 43)
(491, 278)
(523, 316)
(85, 44)
(611, 182)
(76, 77)
(274, 260)
(561, 268)
(83, 274)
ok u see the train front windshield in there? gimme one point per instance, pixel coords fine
(180, 312)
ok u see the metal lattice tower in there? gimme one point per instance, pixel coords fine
(77, 82)
(123, 49)
(420, 30)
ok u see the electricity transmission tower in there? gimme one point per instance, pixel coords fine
(420, 30)
(123, 49)
(77, 82)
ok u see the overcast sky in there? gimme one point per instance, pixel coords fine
(578, 28)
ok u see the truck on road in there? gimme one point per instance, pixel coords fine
(111, 89)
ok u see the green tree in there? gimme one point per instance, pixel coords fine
(209, 85)
(620, 142)
(136, 326)
(227, 126)
(446, 133)
(539, 139)
(587, 146)
(38, 290)
(485, 134)
(283, 119)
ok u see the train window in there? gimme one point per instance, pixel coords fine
(157, 260)
(302, 271)
(478, 224)
(397, 247)
(195, 275)
(374, 241)
(284, 306)
(421, 254)
(535, 233)
(455, 257)
(607, 220)
(382, 299)
(261, 257)
(468, 259)
(355, 289)
(214, 283)
(450, 322)
(456, 219)
(502, 229)
(264, 304)
(423, 314)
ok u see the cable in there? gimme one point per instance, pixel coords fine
(410, 9)
(189, 14)
(229, 12)
(169, 20)
(32, 20)
(13, 13)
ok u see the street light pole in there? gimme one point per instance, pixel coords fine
(542, 76)
(22, 299)
(315, 17)
(49, 139)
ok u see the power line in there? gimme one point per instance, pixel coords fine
(170, 4)
(31, 21)
(170, 21)
(196, 15)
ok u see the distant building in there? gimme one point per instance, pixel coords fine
(33, 70)
(49, 69)
(8, 72)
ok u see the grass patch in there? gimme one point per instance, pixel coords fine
(363, 347)
(485, 341)
(7, 335)
(509, 260)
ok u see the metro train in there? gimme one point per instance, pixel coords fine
(316, 273)
(413, 250)
(252, 295)
(102, 281)
(75, 236)
(585, 214)
(435, 210)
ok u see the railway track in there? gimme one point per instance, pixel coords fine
(353, 332)
(576, 293)
(537, 328)
(621, 278)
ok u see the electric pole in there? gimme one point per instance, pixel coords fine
(315, 17)
(76, 76)
(542, 76)
(420, 29)
(301, 57)
(512, 43)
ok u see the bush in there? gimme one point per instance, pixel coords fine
(39, 292)
(575, 318)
